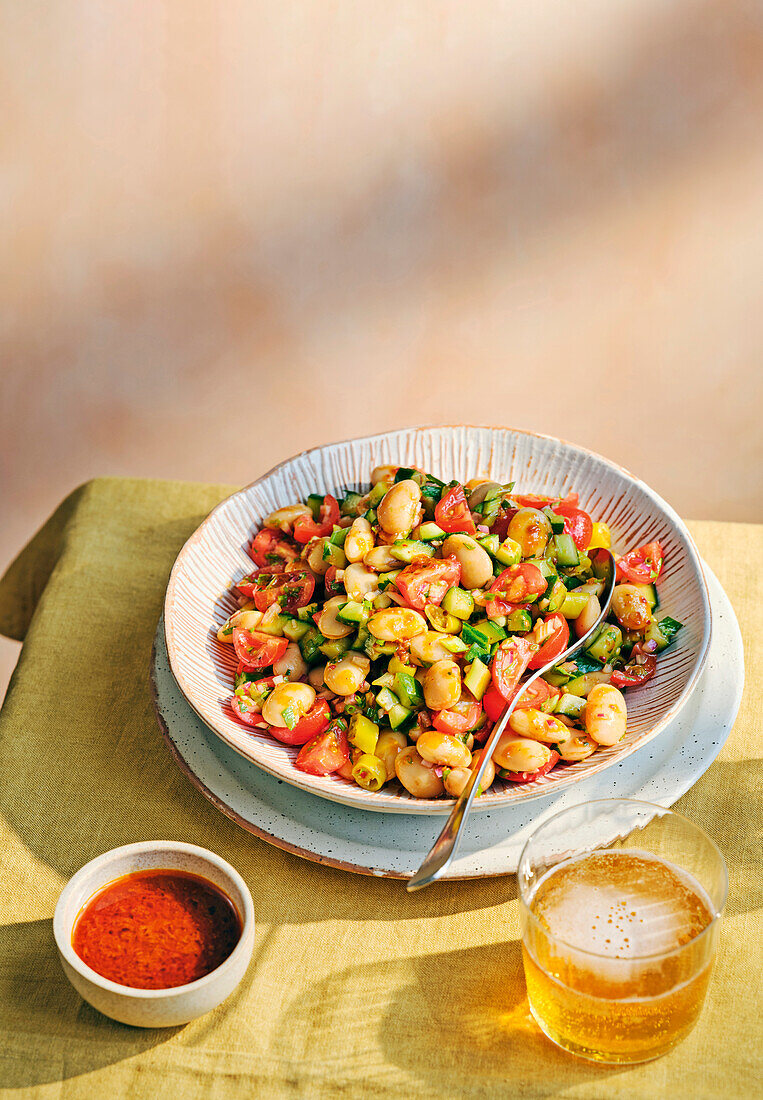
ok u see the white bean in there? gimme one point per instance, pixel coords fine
(531, 529)
(381, 560)
(457, 779)
(299, 698)
(537, 725)
(242, 620)
(389, 746)
(383, 473)
(360, 582)
(476, 564)
(577, 747)
(442, 685)
(283, 519)
(430, 647)
(605, 714)
(631, 607)
(359, 541)
(444, 749)
(314, 557)
(329, 625)
(395, 624)
(292, 664)
(345, 676)
(315, 676)
(520, 754)
(398, 509)
(418, 778)
(588, 616)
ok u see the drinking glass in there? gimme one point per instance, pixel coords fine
(621, 905)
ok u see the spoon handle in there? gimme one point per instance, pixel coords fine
(445, 846)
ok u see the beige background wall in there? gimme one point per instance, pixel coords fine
(233, 230)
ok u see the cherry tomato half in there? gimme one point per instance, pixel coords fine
(423, 584)
(577, 523)
(452, 512)
(313, 723)
(289, 590)
(271, 548)
(249, 584)
(332, 586)
(457, 721)
(555, 644)
(529, 777)
(509, 663)
(518, 584)
(327, 752)
(641, 566)
(257, 650)
(634, 673)
(530, 500)
(306, 528)
(535, 695)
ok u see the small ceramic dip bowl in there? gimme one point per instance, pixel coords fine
(153, 1007)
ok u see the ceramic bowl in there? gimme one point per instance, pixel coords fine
(153, 1007)
(199, 599)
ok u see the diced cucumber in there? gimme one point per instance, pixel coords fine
(662, 631)
(458, 602)
(566, 551)
(334, 555)
(315, 503)
(453, 644)
(272, 622)
(490, 631)
(398, 715)
(352, 612)
(519, 622)
(556, 677)
(375, 649)
(477, 678)
(650, 593)
(334, 648)
(406, 473)
(363, 733)
(359, 643)
(386, 579)
(606, 643)
(381, 601)
(396, 665)
(376, 494)
(408, 690)
(584, 662)
(294, 629)
(557, 522)
(306, 613)
(554, 598)
(581, 685)
(386, 700)
(574, 604)
(386, 680)
(309, 645)
(509, 552)
(430, 530)
(338, 535)
(411, 550)
(490, 543)
(348, 505)
(572, 706)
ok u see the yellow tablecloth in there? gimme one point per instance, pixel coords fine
(356, 989)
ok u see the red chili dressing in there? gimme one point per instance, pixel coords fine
(156, 929)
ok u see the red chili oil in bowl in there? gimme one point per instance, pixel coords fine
(157, 929)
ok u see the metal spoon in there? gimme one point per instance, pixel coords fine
(446, 844)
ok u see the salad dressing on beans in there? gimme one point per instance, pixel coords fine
(415, 607)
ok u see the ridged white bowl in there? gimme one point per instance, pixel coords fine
(198, 598)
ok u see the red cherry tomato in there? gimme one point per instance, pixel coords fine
(509, 663)
(577, 523)
(306, 528)
(423, 584)
(247, 706)
(313, 723)
(555, 644)
(634, 672)
(289, 590)
(496, 609)
(249, 584)
(493, 703)
(519, 584)
(271, 548)
(530, 500)
(535, 695)
(529, 777)
(257, 650)
(327, 752)
(332, 586)
(457, 721)
(452, 512)
(641, 566)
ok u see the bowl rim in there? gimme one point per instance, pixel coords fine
(438, 807)
(62, 928)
